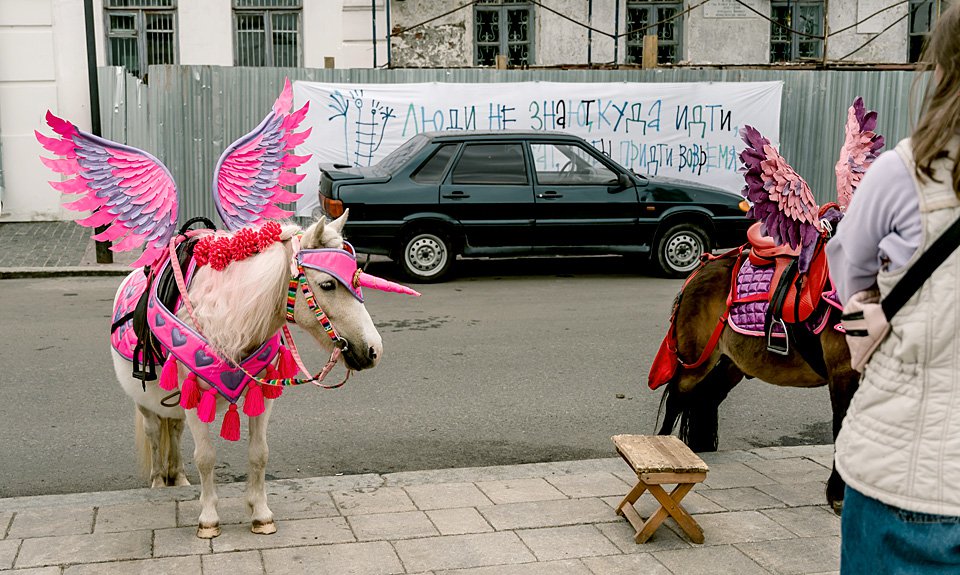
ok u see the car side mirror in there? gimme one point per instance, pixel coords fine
(623, 182)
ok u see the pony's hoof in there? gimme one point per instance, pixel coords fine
(181, 480)
(263, 528)
(837, 506)
(204, 532)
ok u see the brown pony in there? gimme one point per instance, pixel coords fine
(693, 395)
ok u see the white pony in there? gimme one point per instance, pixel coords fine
(241, 288)
(236, 310)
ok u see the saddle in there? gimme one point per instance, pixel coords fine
(148, 352)
(793, 297)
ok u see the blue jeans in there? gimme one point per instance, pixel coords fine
(879, 538)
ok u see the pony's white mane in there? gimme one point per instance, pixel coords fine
(238, 308)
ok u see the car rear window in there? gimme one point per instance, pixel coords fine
(491, 164)
(431, 172)
(397, 158)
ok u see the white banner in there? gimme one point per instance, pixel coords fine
(681, 130)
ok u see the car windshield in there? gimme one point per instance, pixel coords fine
(397, 158)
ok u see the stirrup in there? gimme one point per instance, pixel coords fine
(772, 345)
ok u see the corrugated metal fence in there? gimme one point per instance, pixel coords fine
(187, 115)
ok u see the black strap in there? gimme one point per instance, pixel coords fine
(775, 309)
(116, 325)
(918, 274)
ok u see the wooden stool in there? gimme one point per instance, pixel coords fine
(659, 460)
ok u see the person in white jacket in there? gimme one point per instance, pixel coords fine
(899, 447)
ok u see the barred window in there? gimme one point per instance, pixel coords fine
(923, 15)
(655, 17)
(803, 16)
(140, 33)
(267, 32)
(503, 27)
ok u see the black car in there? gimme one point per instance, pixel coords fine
(507, 193)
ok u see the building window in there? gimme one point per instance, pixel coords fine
(267, 33)
(140, 33)
(804, 16)
(923, 15)
(503, 27)
(640, 18)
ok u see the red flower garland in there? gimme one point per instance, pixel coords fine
(220, 251)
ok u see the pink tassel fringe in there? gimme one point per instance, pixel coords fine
(168, 377)
(207, 410)
(287, 366)
(190, 392)
(253, 400)
(230, 429)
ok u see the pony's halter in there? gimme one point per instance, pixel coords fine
(342, 265)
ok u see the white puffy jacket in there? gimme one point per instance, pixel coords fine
(900, 441)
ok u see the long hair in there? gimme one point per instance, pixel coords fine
(940, 116)
(243, 305)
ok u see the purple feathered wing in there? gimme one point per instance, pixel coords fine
(861, 146)
(782, 200)
(132, 192)
(249, 178)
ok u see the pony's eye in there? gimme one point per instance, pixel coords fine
(328, 285)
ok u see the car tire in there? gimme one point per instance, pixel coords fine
(678, 249)
(426, 256)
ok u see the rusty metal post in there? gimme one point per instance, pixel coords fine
(104, 255)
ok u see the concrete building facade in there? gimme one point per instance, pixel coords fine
(690, 32)
(43, 63)
(43, 46)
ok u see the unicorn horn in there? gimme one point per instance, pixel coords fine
(378, 283)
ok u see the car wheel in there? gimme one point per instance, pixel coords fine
(679, 248)
(426, 256)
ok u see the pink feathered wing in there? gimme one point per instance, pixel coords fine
(131, 191)
(249, 178)
(782, 200)
(861, 146)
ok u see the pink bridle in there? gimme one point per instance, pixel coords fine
(341, 264)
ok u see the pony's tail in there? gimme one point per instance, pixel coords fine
(697, 411)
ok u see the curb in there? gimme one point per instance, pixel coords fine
(80, 271)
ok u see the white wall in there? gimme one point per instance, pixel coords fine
(43, 66)
(205, 32)
(342, 29)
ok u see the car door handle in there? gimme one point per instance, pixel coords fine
(456, 195)
(549, 195)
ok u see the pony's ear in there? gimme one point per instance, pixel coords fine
(338, 223)
(313, 236)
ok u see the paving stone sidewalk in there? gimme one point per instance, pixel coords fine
(37, 249)
(762, 511)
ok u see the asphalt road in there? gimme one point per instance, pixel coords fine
(514, 361)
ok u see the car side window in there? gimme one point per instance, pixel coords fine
(431, 171)
(491, 164)
(568, 164)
